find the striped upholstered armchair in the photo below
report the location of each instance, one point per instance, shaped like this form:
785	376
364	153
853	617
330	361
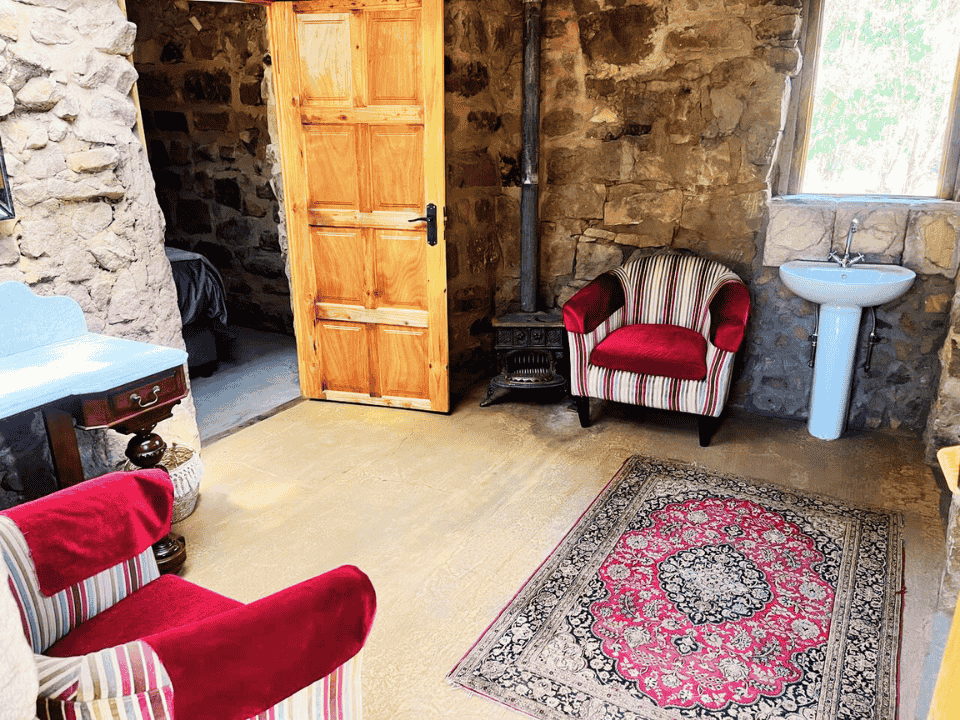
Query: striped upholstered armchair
660	331
114	640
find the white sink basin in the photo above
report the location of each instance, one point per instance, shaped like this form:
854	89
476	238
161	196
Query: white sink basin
864	285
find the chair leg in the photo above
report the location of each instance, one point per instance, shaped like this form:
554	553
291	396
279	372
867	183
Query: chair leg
583	410
707	426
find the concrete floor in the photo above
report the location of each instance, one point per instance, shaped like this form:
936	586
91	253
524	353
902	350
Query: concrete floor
259	375
450	514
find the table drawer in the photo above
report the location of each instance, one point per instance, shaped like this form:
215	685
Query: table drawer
129	401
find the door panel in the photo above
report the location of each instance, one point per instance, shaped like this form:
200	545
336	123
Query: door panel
402	374
340	345
401	269
360	114
339	260
397	154
394	61
327	41
332	167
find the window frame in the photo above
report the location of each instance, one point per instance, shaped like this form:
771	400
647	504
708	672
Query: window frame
789	167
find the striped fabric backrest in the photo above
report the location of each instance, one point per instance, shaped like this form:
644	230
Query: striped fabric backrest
47	619
672	289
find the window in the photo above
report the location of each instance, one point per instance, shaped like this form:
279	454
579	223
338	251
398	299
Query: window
874	109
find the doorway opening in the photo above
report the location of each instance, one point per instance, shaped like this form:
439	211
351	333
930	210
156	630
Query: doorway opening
202	68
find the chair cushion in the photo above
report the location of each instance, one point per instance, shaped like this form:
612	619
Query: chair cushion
667	350
167	602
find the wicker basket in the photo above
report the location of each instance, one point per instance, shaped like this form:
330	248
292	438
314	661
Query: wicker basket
186	470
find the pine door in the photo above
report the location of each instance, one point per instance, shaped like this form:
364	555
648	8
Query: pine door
359	88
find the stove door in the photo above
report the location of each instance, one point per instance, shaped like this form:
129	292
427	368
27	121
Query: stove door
360	106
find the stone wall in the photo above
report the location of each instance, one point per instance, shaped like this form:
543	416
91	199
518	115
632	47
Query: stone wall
201	68
88	225
659	125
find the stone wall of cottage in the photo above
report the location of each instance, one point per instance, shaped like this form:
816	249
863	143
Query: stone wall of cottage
660	125
87	221
201	70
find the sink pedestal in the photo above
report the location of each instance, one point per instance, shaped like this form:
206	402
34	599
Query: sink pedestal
833	370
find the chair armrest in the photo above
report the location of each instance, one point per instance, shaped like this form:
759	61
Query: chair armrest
729	311
82	530
128	677
593	304
268	650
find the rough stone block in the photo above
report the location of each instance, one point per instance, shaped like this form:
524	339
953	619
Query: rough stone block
89	161
716	39
882	229
727	108
780	28
573	201
250	93
9	248
218	121
96	69
90	219
193	216
226	191
633	205
47	33
263	263
7	101
207	86
931	239
594	259
111	252
558	247
112	107
798	231
38	94
620	36
154	85
169	121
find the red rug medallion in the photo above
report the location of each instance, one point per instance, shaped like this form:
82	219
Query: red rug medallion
683	594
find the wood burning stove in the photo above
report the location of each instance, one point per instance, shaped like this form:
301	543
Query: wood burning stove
530	345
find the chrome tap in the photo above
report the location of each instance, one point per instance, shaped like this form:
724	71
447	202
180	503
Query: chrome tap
846	260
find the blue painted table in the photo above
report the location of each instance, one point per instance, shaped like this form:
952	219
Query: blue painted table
50	362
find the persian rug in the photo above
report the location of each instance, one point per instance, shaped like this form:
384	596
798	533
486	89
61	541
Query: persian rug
686	595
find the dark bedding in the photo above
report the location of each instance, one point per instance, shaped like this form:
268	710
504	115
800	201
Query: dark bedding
203	307
200	291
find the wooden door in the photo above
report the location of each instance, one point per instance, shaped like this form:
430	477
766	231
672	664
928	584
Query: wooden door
359	87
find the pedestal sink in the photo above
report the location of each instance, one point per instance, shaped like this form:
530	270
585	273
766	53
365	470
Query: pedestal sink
842	293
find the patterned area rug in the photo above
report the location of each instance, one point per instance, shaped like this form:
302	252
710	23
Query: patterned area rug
682	594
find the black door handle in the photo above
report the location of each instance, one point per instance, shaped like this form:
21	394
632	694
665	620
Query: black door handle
431	221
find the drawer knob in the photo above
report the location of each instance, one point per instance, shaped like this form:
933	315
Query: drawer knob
139	400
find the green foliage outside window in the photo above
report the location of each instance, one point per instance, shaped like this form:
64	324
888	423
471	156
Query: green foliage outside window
882	97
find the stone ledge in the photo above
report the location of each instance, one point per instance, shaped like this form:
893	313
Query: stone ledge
920	233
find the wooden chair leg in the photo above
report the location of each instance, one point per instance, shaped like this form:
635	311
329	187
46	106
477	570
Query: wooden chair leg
583	410
707	426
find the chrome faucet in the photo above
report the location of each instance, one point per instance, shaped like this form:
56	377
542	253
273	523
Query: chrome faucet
846	260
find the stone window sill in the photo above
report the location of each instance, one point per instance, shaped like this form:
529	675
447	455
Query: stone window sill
920	233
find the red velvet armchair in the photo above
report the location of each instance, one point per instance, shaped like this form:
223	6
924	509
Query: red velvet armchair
660	331
114	639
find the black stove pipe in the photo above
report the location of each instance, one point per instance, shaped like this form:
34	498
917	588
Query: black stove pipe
530	157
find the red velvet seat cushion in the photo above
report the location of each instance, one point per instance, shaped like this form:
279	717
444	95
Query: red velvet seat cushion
667	350
167	602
